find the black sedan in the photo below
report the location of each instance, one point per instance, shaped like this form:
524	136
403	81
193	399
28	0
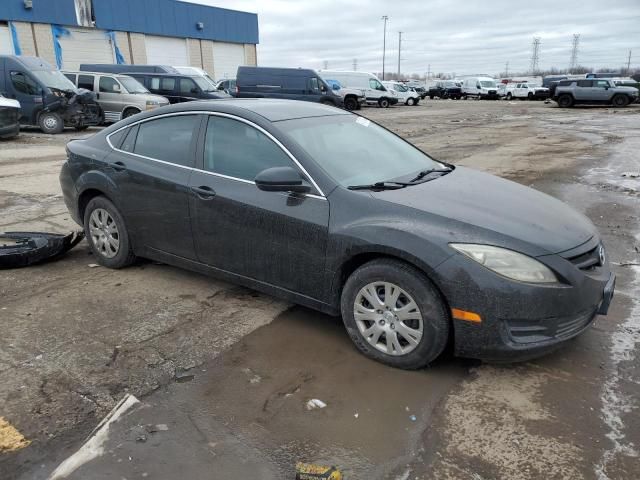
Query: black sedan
330	210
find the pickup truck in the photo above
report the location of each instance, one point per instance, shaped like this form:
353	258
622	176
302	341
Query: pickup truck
525	90
593	91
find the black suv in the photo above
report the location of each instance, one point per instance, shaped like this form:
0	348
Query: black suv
446	89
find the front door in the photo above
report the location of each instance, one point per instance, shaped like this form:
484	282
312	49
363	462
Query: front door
110	98
25	89
152	168
273	237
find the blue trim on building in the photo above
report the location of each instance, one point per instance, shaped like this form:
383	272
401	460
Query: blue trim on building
57	31
15	40
111	35
171	18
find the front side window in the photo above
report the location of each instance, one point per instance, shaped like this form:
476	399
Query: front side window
602	83
375	84
24	84
86	81
355	151
109	85
238	150
167	139
313	84
187	86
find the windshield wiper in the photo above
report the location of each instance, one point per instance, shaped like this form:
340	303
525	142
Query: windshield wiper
379	186
424	173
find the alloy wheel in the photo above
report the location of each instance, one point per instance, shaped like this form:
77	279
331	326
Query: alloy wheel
388	318
104	233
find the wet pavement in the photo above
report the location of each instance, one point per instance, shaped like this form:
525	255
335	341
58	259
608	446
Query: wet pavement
232	390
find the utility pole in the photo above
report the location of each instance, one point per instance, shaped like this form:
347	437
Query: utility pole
325	64
355	64
574	52
384	42
629	63
535	55
428	71
506	69
399	50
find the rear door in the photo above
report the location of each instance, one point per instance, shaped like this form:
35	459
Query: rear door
584	90
152	168
272	237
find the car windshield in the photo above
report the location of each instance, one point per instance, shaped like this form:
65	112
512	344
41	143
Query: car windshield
204	84
488	83
355	151
132	85
450	84
401	88
53	79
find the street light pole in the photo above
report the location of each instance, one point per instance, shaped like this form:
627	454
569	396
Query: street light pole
399	53
384	43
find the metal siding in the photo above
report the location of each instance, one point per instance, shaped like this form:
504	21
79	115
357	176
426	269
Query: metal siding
44	11
176	19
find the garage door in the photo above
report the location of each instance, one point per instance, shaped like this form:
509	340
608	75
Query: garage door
227	57
166	51
85	46
6	45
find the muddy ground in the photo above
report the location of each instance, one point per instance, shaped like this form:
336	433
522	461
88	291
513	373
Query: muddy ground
229	371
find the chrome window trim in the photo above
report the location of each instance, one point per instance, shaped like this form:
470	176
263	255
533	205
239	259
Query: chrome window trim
219	114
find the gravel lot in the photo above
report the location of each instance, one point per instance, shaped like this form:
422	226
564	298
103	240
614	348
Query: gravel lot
76	339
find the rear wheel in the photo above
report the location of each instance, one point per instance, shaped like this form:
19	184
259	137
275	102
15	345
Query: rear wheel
431	97
565	101
530	96
350	103
620	101
394	314
50	122
383	102
107	234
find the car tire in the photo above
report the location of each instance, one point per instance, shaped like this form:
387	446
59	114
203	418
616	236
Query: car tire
51	123
409	286
530	96
410	102
619	101
129	112
509	96
350	103
383	102
431	97
565	101
107	234
416	102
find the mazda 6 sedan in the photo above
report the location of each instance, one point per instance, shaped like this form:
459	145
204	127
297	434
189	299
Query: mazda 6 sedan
330	210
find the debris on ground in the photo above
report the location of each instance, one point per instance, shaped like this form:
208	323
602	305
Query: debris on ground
21	249
307	471
315	403
93	265
631	174
182	376
413	418
10	438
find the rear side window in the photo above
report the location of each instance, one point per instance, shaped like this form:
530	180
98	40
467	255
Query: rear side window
116	138
239	150
168	84
109	85
154	83
585	83
167	139
24	84
85	81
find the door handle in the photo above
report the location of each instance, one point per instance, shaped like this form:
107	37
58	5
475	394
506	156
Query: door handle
119	166
204	192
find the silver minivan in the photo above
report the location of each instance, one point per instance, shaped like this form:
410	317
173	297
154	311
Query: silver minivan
120	96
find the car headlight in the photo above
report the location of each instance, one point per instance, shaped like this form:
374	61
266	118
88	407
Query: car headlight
152	103
507	263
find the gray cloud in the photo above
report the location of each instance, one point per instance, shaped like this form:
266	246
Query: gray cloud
461	36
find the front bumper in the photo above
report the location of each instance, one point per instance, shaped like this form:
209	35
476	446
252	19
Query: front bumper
9	131
522	321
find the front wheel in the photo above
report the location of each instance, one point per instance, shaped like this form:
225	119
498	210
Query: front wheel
350	103
620	101
410	101
50	122
383	102
107	234
394	314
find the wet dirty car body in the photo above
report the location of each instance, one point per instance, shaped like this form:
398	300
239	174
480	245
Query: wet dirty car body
329	210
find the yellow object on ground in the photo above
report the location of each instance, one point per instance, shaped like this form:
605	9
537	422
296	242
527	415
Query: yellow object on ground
11	439
307	471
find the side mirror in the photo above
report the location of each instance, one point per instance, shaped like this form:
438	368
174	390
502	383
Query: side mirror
116	88
195	90
478	87
281	179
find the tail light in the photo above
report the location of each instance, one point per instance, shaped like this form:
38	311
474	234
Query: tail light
237	89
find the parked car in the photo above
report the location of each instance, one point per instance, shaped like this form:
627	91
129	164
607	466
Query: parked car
480	87
445	89
353	99
120	96
593	91
228	85
9	118
416	254
525	90
47	98
375	92
178	88
419	88
403	93
285	83
196	71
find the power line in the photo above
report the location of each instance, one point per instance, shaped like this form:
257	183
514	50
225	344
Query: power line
535	54
574	51
384	42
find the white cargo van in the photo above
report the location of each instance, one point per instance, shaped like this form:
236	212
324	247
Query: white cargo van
480	87
375	92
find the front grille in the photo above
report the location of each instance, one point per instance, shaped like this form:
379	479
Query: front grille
533	331
587	260
492	92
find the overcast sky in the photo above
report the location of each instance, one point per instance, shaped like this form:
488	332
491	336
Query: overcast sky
461	36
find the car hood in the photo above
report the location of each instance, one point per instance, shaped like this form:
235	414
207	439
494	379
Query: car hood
498	205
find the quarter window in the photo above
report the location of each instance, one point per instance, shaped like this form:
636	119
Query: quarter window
86	81
108	85
239	150
167	139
